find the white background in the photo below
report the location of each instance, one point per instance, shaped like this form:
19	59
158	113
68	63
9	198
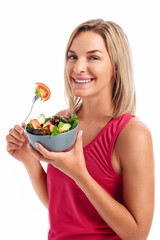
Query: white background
33	38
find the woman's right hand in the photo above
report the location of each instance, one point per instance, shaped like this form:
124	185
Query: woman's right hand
17	143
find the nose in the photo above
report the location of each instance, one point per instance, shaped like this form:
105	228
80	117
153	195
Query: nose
80	66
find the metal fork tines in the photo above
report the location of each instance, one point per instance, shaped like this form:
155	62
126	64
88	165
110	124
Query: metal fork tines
36	97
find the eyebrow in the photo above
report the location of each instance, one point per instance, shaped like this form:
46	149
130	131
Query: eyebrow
92	51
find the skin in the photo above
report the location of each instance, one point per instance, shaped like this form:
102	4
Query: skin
132	156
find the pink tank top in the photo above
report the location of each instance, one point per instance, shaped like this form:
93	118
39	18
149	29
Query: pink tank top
71	214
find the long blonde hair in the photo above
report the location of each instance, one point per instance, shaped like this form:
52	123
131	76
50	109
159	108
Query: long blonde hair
123	96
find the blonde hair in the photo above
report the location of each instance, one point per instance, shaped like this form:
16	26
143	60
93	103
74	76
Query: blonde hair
123	96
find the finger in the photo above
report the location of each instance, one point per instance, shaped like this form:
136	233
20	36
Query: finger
79	142
11	139
14	133
44	151
19	129
36	154
12	147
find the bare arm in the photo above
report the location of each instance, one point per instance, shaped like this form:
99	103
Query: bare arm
133	219
38	179
17	147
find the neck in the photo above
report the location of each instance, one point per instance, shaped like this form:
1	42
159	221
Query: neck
95	109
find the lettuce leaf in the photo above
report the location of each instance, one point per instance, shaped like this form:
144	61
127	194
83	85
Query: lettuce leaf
73	121
28	127
38	93
55	131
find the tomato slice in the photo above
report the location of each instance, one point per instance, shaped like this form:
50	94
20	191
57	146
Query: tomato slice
44	91
51	126
35	123
45	131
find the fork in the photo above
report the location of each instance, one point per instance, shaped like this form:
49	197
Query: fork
36	97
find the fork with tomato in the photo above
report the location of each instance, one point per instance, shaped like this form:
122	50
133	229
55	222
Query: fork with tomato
41	91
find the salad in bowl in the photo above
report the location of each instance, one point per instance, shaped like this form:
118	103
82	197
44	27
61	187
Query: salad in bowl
55	133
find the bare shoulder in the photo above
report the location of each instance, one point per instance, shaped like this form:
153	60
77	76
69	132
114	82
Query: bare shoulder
134	139
63	112
134	131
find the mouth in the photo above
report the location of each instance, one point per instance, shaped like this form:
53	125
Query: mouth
82	80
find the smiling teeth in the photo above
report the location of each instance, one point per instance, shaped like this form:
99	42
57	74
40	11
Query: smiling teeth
83	81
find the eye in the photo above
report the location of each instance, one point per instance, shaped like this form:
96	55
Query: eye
72	57
94	58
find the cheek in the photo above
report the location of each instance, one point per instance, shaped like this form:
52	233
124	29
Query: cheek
107	71
95	70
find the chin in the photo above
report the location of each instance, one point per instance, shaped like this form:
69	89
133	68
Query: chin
81	93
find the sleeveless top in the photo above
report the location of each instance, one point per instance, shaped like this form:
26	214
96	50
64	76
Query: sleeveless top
71	214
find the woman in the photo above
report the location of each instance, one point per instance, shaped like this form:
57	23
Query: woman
103	187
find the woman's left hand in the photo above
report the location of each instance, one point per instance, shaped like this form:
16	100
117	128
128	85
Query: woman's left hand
72	163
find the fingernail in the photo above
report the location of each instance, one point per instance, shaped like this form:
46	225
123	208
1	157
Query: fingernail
21	131
20	144
36	144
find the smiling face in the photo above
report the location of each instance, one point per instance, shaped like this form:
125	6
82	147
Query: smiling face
89	69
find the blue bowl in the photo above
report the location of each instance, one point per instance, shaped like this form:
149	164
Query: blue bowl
58	143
